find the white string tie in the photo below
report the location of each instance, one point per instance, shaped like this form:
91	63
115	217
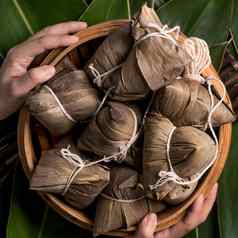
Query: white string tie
67	115
171	176
80	164
163	32
98	77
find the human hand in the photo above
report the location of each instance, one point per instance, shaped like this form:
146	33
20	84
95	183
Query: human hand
197	214
16	81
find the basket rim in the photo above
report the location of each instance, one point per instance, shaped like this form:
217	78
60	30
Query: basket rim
28	157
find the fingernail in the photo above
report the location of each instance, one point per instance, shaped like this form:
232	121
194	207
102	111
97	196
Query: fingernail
151	219
83	24
215	188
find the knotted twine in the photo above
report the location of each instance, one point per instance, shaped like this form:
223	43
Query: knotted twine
121	200
62	108
162	32
79	163
201	59
167	176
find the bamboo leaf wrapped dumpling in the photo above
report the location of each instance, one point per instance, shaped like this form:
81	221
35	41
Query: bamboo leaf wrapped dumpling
160	54
111	53
112	131
152	62
190	151
122	204
179	194
188	103
57	175
63	101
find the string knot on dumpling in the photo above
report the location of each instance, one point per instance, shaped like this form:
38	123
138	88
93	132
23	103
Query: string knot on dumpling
199	51
161	31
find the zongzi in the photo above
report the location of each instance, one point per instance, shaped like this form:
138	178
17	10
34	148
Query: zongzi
59	175
188	103
190	151
122	204
63	101
111	132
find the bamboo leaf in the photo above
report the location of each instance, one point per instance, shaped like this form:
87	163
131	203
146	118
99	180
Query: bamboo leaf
227	201
21	18
208	229
193	234
13	28
108	11
30	217
208	19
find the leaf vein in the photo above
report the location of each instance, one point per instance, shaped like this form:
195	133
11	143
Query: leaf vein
23	16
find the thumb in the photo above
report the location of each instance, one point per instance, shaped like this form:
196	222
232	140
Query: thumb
147	227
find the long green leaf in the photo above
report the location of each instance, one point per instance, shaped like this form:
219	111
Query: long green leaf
193	234
13	27
109	10
30	217
227	202
21	18
208	19
209	229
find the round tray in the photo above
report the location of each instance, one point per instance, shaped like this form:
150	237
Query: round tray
28	152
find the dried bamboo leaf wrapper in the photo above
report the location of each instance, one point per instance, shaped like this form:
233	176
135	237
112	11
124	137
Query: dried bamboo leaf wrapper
77	93
160	58
53	172
188	103
190	149
112	52
200	53
110	131
156	206
128	82
179	194
156	133
122	203
72	97
134	157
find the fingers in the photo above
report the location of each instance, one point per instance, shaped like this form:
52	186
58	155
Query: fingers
34	77
197	214
147	227
210	200
39	45
201	209
163	234
61	29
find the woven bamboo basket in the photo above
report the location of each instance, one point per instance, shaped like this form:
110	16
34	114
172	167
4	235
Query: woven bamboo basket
29	152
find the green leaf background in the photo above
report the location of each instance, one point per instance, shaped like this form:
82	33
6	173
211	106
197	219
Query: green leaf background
212	20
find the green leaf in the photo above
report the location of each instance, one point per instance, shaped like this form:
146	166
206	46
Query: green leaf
192	234
30	217
109	10
21	18
4	205
208	19
228	190
209	229
13	27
